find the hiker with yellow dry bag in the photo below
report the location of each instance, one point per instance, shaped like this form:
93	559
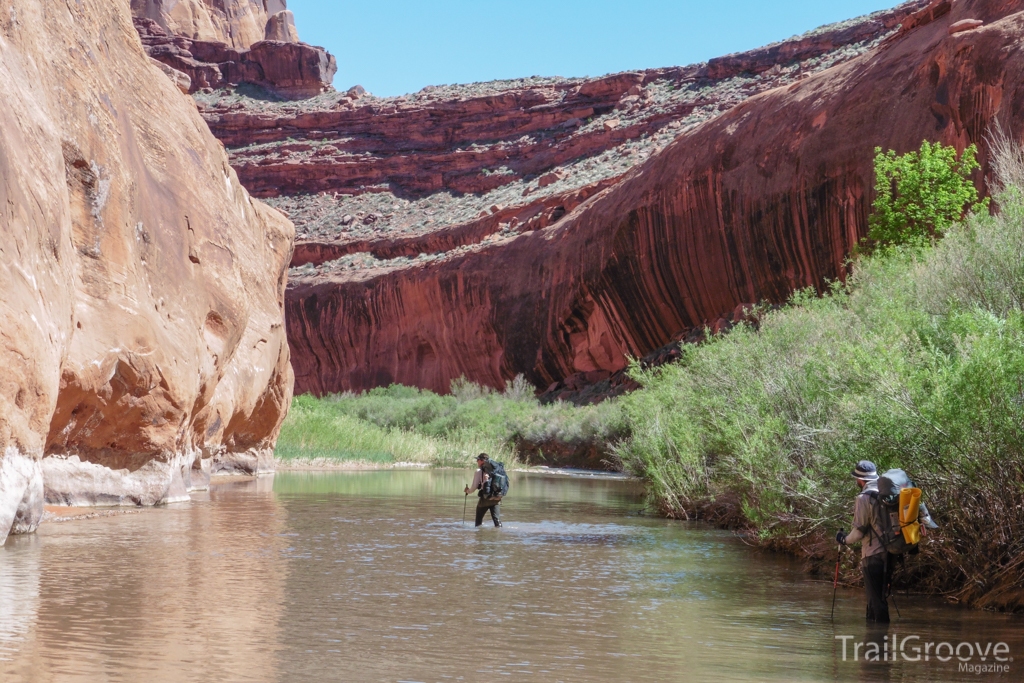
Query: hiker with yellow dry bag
889	520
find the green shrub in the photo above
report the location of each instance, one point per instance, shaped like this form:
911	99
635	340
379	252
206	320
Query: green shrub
920	195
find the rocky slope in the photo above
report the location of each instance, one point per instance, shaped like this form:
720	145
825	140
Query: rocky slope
141	288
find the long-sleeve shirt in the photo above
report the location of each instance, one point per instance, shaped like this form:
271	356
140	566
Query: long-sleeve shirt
477	485
863	519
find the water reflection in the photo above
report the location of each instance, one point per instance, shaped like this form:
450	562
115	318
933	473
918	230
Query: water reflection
188	592
371	576
19	600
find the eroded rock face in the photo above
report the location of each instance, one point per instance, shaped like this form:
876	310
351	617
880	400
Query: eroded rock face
284	66
236	23
141	288
382	188
761	199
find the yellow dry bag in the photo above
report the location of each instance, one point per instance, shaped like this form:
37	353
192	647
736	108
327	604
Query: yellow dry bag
910	503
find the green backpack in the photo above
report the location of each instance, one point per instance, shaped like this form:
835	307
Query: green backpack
497	485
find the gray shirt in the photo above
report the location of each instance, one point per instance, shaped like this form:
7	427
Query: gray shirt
864	518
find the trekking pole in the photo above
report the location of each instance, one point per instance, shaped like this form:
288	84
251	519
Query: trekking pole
464	502
889	587
892	593
835	582
893	598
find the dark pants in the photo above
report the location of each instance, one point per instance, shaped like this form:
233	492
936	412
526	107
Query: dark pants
877	574
485	504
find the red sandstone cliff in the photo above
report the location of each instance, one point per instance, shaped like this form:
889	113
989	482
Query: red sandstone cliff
141	288
762	198
216	43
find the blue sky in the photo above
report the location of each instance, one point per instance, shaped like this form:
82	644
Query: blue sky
393	47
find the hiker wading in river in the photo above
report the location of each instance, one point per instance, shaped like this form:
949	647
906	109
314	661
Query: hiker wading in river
876	561
481	483
872	552
889	520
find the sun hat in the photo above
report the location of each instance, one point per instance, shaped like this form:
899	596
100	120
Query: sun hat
865	470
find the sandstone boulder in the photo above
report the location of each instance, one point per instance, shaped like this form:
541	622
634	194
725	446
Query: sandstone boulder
141	288
550	178
294	69
965	25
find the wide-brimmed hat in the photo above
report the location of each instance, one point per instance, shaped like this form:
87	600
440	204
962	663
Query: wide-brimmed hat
865	470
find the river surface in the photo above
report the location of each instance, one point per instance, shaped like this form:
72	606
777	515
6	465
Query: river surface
371	576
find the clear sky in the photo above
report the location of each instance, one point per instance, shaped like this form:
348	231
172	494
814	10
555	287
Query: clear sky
393	47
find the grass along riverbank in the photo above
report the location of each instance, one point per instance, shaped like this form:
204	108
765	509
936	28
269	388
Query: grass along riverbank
409	425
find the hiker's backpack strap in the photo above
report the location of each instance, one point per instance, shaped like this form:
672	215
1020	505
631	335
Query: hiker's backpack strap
869	528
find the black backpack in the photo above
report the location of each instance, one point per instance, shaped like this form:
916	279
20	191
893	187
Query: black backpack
497	485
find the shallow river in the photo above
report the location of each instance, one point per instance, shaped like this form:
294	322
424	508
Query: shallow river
370	576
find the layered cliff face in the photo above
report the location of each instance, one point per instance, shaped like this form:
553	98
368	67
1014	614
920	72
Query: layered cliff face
288	70
504	135
216	43
141	288
764	198
390	194
236	23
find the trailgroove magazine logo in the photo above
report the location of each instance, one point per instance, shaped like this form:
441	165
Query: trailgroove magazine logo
971	657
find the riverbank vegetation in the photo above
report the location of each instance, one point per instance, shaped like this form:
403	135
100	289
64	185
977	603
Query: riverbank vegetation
405	424
915	361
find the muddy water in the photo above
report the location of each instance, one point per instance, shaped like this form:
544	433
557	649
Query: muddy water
370	576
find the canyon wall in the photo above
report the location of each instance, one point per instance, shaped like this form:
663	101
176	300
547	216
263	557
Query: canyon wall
760	199
141	288
381	187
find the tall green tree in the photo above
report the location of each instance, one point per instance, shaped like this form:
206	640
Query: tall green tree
920	195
